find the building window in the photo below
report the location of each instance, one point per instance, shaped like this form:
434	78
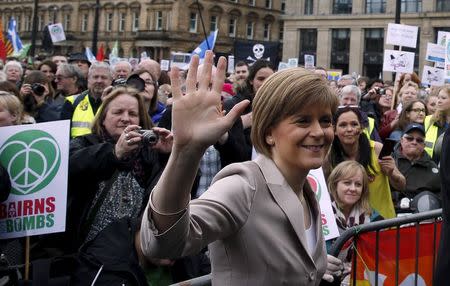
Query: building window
193	23
283	6
122	21
109	21
250	28
267	27
84	22
411	6
309	7
373	52
159	20
135	22
66	21
232	27
251	2
281	32
342	6
308	44
213	23
28	22
269	4
375	6
41	24
443	6
18	22
340	47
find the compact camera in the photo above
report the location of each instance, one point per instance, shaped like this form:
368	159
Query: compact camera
381	91
149	137
38	89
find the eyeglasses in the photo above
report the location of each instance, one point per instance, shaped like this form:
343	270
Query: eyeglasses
418	110
410	138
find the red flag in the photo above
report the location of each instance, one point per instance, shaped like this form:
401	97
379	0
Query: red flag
100	54
3	50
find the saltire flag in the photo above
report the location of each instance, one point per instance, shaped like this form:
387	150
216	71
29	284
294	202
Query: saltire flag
89	55
207	44
13	36
115	51
251	51
101	54
411	246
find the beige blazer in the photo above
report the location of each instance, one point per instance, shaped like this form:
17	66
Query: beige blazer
253	223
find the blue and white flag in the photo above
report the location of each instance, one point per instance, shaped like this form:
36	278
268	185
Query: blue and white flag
13	37
90	56
207	44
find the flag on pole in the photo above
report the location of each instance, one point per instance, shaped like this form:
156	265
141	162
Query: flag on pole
207	44
101	54
3	50
115	51
22	54
89	55
13	36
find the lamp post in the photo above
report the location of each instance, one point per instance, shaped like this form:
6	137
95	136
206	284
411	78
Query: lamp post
95	32
35	28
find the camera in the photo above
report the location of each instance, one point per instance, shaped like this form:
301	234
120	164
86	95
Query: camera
38	89
149	137
381	91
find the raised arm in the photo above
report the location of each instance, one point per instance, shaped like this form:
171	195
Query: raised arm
197	122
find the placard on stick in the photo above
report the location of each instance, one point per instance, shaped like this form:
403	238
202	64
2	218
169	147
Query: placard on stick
398	61
402	35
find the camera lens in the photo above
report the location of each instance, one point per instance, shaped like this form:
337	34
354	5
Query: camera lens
38	89
149	137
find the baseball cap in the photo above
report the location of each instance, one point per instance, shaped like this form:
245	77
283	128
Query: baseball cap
415	126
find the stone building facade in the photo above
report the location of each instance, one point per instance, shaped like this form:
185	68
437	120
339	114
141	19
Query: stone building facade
158	27
350	34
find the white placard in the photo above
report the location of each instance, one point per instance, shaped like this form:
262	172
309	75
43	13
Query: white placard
165	64
293	62
282	66
309	62
134	62
435	53
230	68
402	35
36	158
57	32
317	182
433	76
398	61
442	37
447	61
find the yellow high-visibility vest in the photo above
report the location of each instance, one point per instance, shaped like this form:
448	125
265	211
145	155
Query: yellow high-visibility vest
83	116
368	130
431	135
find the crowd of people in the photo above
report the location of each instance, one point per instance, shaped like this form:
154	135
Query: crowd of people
152	162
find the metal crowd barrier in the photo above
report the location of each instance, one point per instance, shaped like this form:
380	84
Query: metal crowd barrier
353	233
415	219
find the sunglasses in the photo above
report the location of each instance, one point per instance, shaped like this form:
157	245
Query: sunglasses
410	138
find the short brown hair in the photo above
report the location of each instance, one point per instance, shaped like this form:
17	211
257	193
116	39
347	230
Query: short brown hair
284	94
144	119
344	171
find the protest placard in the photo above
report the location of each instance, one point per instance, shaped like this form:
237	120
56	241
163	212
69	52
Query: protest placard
402	35
398	61
433	76
230	68
442	37
36	158
133	62
165	65
282	66
293	62
447	61
435	53
334	74
316	180
309	62
57	32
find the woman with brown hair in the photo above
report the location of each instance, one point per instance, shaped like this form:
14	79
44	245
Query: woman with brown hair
414	112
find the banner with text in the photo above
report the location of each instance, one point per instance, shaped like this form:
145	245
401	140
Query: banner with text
36	158
316	180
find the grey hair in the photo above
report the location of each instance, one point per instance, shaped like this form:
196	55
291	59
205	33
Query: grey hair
101	65
71	70
352	89
347	77
127	62
13	64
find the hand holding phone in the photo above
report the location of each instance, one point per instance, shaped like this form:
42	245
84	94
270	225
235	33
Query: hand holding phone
388	147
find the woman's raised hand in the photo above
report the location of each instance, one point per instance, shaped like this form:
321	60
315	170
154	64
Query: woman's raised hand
197	118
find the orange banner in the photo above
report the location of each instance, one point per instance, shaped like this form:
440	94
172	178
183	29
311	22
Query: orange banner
411	245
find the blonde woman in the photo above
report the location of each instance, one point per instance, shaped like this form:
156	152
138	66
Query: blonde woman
11	109
436	124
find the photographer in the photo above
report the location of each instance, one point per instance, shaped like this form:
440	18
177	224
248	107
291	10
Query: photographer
37	95
110	170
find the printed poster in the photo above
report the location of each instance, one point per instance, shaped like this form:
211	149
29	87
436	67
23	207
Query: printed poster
433	76
442	37
447	61
309	62
317	182
293	62
36	158
57	32
282	66
165	64
435	53
398	61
